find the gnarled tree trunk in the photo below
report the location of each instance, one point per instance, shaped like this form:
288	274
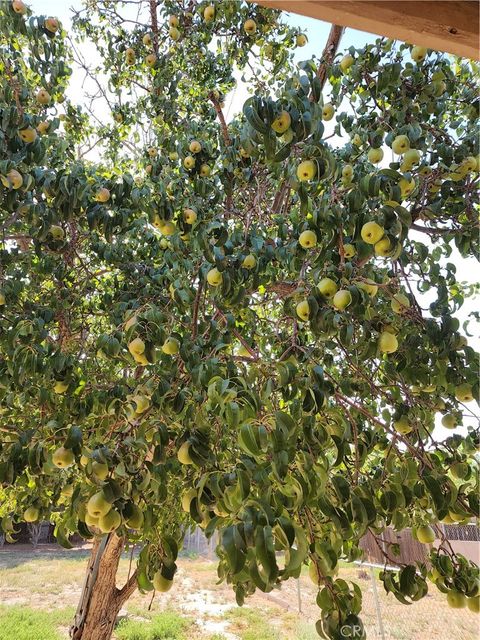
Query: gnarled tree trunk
101	600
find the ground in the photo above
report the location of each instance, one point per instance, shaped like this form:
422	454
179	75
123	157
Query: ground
40	589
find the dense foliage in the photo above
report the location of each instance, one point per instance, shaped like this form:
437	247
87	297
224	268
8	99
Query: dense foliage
254	321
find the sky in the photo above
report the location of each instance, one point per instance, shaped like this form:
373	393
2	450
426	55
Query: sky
317	32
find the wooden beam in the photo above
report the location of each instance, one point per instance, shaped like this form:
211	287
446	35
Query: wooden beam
445	26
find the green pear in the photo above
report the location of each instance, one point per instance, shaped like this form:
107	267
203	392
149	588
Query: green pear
100	469
135	521
31	514
342	299
456	600
449	421
375	155
303	310
161	583
425	534
473	604
63	458
463	392
110	521
98	505
400	303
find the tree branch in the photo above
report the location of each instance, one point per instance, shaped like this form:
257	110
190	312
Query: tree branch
128	588
329	52
195	309
221	118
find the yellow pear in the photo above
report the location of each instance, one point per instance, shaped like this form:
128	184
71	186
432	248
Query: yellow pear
250	27
400	145
19	7
383	247
183	454
388	342
43	97
171	346
349	250
301	40
43	127
15	178
307	239
418	53
372	232
249	261
190	216
306	170
195	146
28	135
136	346
102	195
375	155
327	287
60	386
463	393
187	498
214	277
52	25
425	534
100	469
135	521
282	122
189	162
151	60
57	232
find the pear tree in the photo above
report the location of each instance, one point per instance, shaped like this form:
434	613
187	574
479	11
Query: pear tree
248	324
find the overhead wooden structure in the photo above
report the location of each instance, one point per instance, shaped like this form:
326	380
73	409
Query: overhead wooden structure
446	26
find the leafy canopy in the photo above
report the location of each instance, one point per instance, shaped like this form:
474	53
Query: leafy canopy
249	326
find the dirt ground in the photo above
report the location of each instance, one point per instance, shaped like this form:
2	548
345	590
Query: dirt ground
49	577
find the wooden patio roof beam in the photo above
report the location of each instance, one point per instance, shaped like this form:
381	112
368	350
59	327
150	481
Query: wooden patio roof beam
451	26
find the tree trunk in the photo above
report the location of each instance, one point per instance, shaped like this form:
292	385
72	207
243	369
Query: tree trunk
329	52
101	601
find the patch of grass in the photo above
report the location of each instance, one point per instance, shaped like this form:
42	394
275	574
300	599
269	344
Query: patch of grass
251	624
168	625
21	623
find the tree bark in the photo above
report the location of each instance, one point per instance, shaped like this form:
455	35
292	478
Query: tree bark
101	600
